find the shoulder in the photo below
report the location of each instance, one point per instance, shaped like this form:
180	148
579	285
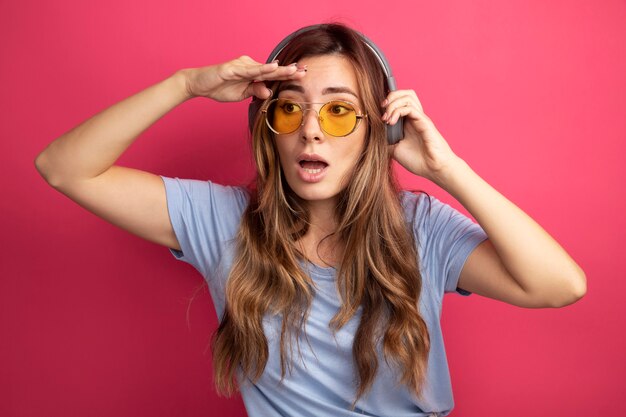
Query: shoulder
207	192
425	209
205	207
445	239
204	189
431	218
205	217
417	206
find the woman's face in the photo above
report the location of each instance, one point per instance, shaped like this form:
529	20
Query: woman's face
315	164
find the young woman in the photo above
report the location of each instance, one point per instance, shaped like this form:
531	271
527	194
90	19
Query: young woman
327	278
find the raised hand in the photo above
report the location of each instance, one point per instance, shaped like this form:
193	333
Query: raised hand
238	79
423	150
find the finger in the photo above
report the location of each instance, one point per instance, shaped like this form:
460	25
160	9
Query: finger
419	103
402	101
397	113
255	71
269	72
399	102
394	95
269	67
258	89
245	60
288	72
398	93
408	111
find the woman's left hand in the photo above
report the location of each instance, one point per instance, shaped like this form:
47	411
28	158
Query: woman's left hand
422	151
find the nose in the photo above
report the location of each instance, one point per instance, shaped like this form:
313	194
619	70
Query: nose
311	129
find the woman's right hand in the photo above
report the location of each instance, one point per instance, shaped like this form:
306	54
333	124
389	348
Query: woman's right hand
238	79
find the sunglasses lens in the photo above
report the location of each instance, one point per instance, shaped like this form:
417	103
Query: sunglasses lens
284	116
338	118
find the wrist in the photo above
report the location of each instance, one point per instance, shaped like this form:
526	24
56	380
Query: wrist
182	78
452	174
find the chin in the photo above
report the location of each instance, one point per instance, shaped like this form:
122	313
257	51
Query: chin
314	192
315	195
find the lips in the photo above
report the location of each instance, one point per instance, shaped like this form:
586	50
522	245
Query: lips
312	167
311	161
311	157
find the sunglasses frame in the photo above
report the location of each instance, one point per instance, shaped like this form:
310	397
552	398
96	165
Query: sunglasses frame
359	116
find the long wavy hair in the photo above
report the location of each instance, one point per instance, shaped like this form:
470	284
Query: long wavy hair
379	267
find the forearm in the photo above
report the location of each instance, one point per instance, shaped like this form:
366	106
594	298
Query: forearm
530	255
92	147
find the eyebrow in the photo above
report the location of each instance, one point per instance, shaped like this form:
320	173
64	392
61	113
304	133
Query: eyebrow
327	90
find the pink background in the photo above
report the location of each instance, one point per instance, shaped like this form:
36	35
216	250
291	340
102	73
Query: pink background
97	322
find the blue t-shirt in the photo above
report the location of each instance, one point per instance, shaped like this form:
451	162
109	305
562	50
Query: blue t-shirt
206	216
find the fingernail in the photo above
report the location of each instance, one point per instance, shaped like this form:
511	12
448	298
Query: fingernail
294	64
302	68
384	103
274	62
271	92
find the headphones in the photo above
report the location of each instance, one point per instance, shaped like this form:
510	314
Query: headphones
394	132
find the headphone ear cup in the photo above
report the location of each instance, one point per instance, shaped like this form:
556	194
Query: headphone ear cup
395	133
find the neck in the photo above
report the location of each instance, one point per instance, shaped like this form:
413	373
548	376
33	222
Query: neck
322	217
322	223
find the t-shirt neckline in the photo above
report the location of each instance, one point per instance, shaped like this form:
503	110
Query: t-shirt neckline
325	272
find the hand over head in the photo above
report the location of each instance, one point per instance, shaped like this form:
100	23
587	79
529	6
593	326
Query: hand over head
423	150
238	79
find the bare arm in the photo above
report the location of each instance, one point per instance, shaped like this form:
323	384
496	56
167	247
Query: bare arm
92	147
519	263
79	164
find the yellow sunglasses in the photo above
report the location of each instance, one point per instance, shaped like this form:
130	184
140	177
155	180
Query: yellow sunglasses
337	117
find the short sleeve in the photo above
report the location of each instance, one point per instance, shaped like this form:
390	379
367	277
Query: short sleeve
445	240
205	216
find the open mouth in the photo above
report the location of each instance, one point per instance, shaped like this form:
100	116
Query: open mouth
313	167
